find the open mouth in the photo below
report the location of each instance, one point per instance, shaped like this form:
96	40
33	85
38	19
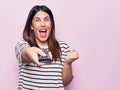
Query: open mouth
43	33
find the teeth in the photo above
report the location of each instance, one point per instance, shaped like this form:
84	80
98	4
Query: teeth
42	30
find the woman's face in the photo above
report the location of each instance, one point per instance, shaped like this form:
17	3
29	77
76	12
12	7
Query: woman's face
41	24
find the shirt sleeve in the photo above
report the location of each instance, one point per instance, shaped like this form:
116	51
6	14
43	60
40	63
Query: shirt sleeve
19	46
65	48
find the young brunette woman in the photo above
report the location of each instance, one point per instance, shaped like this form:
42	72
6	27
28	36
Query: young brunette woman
38	38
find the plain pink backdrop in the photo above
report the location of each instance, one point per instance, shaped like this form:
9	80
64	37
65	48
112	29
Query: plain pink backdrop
90	26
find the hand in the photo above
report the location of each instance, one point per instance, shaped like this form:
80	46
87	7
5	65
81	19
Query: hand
50	55
71	56
31	54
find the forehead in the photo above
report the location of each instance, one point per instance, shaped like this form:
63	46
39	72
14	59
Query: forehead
41	14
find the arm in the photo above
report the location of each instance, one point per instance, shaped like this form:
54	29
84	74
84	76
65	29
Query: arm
67	74
30	54
26	54
67	69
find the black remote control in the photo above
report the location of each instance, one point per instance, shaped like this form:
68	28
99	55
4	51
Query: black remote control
44	59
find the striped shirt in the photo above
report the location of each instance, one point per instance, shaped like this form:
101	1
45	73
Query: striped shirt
47	77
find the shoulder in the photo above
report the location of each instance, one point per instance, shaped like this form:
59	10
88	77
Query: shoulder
63	45
22	43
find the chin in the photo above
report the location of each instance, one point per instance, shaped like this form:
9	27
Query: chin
43	40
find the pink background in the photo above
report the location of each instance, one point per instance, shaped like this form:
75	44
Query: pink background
90	26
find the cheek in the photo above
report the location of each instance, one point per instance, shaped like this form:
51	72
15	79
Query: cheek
34	26
50	29
49	26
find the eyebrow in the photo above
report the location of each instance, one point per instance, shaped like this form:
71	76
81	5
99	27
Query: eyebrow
36	17
47	17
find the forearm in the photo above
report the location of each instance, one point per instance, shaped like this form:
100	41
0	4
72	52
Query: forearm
25	56
67	74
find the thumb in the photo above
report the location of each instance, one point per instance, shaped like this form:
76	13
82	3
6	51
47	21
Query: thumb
36	61
50	55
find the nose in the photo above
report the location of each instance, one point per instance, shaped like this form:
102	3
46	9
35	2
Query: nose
42	23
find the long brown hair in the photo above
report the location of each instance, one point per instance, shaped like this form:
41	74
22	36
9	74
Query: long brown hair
29	36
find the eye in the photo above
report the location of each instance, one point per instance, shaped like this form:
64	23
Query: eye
37	20
47	19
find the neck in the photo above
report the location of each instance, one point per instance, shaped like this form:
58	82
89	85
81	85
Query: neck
43	44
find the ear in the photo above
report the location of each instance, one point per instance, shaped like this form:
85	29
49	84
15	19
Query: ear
31	27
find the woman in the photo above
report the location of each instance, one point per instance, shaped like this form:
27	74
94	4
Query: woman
39	36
